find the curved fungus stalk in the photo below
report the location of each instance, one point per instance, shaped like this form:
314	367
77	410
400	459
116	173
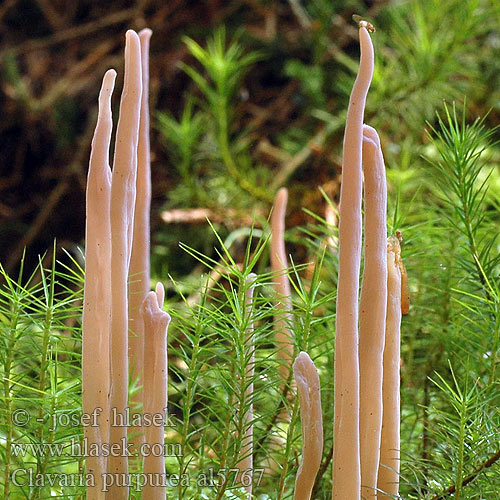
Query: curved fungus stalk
388	473
123	191
308	387
372	311
283	321
97	287
346	451
139	262
156	323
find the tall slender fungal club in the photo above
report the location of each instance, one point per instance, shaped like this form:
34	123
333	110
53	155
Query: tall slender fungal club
372	311
156	322
308	387
346	458
388	473
245	465
139	262
96	301
367	406
279	263
123	191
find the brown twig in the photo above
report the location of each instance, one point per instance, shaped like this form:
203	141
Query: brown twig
40	222
289	167
451	490
200	216
53	199
51	14
73	75
74	32
322	471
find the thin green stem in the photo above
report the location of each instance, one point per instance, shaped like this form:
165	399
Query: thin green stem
288	449
230	162
42	461
186	410
461	449
9	358
225	450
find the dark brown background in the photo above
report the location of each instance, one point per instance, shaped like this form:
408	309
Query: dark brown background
53	55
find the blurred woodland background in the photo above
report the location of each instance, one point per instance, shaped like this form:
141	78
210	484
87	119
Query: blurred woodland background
285	109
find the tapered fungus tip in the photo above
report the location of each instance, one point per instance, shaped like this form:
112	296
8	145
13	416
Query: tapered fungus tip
363	23
110	75
301	361
371	133
394	248
160	294
250	279
151	310
130	34
145	33
132	45
282	194
108	83
280	202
